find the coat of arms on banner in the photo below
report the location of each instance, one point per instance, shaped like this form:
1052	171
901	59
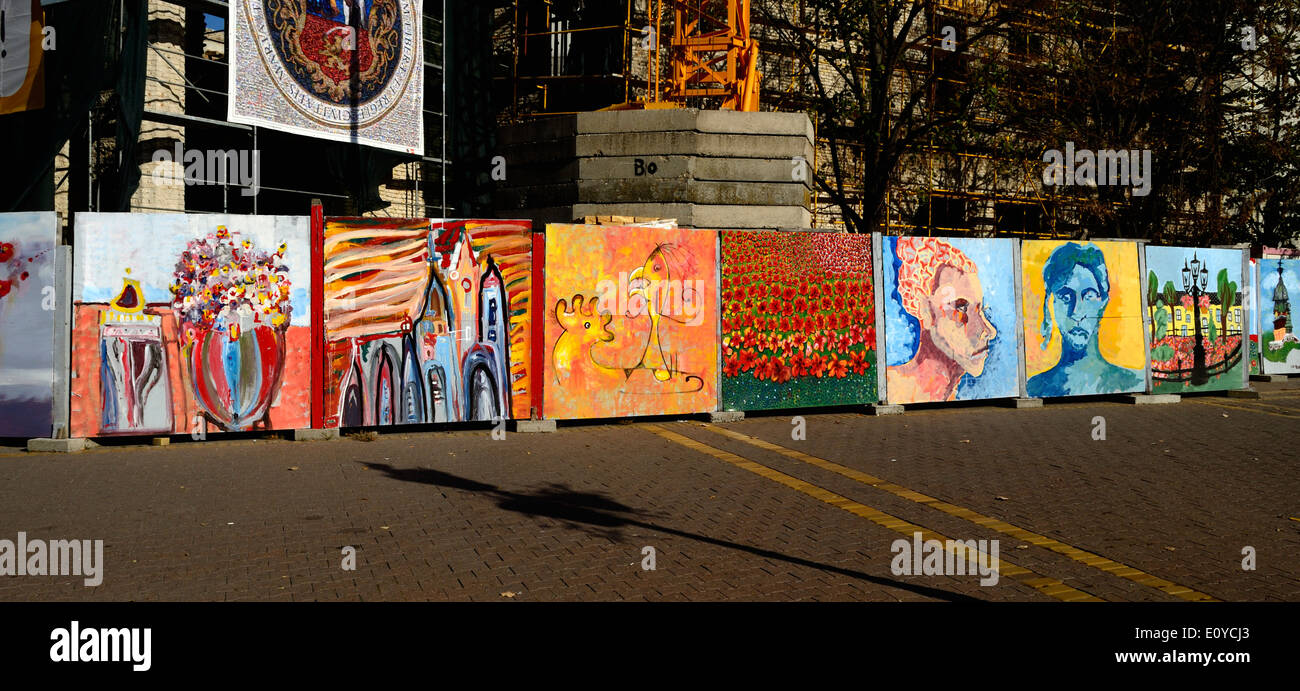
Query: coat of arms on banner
348	70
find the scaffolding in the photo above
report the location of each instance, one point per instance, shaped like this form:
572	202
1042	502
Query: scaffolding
569	57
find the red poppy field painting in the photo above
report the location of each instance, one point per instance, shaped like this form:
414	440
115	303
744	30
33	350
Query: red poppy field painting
798	320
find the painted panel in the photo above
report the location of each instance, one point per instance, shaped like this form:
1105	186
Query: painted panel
28	319
798	320
346	70
1252	312
950	319
1082	315
1279	290
426	321
190	322
22	57
1198	318
632	321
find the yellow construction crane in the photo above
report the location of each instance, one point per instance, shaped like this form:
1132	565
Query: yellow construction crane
712	55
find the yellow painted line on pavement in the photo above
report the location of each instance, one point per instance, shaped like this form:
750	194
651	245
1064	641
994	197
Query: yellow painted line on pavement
1249	409
1079	555
1048	586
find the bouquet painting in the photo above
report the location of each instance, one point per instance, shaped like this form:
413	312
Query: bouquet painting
231	302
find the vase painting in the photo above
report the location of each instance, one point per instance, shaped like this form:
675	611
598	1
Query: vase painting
236	379
232	302
190	324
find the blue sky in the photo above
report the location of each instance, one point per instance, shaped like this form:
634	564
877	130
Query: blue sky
1167	262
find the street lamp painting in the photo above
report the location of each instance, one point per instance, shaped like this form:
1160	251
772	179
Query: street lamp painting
1200	286
1195	279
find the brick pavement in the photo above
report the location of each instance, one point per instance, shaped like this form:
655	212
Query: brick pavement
1175	491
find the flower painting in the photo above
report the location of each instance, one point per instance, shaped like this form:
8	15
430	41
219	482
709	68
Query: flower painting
798	320
190	324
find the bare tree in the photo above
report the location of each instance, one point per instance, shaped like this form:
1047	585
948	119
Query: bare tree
884	77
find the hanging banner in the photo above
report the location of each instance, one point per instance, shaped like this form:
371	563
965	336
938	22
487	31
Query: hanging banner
346	70
22	58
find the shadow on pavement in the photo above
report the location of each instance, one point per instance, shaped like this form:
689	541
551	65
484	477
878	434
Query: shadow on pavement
582	510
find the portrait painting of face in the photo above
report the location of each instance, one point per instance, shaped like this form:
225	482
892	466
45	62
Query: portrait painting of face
1083	319
949	313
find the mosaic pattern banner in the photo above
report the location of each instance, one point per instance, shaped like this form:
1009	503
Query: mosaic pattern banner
631	321
1198	319
1279	290
1083	321
426	321
346	70
28	319
186	323
950	320
798	316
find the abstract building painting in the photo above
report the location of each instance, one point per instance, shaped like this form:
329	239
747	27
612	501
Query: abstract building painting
189	324
1279	290
631	321
1198	318
950	320
798	320
27	322
426	321
1082	315
346	70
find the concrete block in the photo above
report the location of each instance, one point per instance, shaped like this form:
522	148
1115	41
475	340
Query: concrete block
534	426
1268	377
727	416
692	144
617	121
767	122
316	434
74	445
694	120
1025	402
1154	398
1243	393
749	170
728	216
650	190
885	409
626	167
160	441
